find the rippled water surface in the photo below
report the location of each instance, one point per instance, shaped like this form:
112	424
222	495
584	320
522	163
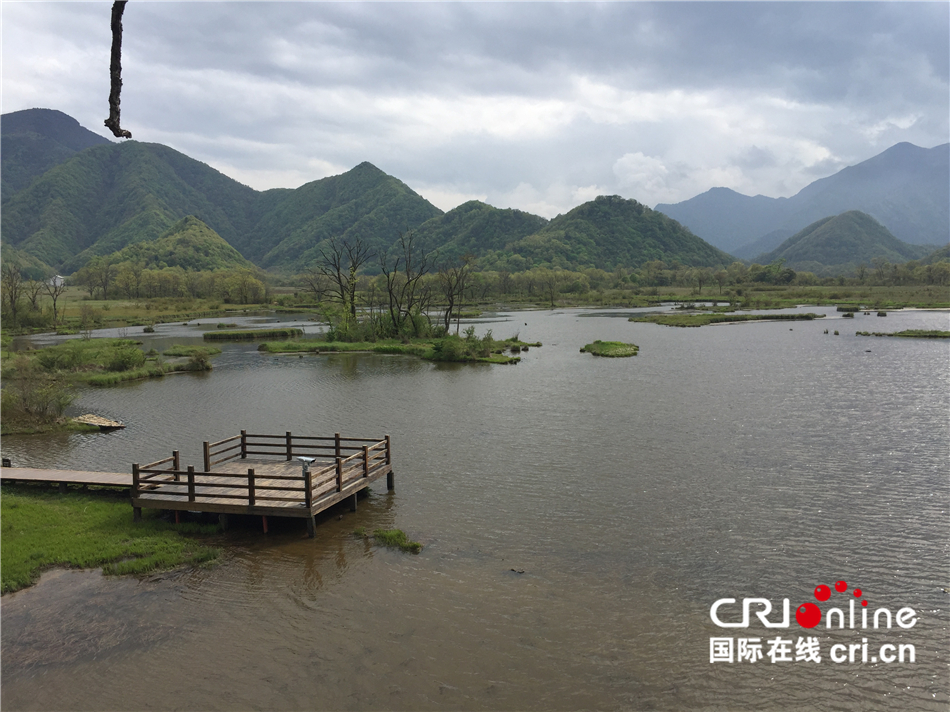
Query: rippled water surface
750	460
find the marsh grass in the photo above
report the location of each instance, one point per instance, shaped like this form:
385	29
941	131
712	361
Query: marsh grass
611	349
687	320
252	334
42	529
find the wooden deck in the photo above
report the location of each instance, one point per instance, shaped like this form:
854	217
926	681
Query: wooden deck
262	475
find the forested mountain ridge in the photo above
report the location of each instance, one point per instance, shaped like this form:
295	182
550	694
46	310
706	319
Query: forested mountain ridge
35	140
108	197
848	239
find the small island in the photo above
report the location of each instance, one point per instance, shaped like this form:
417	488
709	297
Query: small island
611	349
708	318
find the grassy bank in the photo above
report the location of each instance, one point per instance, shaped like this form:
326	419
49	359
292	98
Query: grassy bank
611	349
707	318
42	529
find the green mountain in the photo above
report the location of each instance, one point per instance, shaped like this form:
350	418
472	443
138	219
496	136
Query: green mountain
189	244
107	197
476	228
611	231
129	198
848	239
35	140
363	203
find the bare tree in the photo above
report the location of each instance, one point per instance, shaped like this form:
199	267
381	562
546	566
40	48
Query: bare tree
32	288
452	280
11	286
334	276
55	288
408	296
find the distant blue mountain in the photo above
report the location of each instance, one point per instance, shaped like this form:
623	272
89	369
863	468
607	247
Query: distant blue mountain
906	188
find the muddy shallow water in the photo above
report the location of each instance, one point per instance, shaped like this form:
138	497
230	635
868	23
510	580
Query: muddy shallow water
751	460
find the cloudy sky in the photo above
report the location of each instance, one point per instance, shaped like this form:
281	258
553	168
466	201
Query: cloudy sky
537	106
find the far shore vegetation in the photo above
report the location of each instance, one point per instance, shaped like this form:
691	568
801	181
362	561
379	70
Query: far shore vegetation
43	529
704	319
611	349
909	334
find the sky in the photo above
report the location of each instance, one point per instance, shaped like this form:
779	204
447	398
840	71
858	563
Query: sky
529	105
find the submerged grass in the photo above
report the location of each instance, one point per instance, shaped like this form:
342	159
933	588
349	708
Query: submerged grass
42	529
396	539
706	319
611	349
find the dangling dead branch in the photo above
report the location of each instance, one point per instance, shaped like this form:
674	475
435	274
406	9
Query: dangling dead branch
115	70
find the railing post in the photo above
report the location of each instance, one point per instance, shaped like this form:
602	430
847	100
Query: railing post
390	477
176	460
206	448
243	444
191	483
136	511
389	452
251	494
336	439
308	489
366	461
290	446
339	474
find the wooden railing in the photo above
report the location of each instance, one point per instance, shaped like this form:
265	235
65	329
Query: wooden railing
311	485
153	470
286	447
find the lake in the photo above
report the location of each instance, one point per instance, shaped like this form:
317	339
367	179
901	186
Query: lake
580	517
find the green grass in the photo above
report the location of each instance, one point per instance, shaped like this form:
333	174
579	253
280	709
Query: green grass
183	350
396	539
611	349
252	335
42	529
909	333
706	319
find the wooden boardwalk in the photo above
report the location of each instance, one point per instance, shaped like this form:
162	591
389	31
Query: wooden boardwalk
263	475
66	477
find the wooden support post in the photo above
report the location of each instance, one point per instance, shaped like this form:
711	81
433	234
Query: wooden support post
264	519
290	446
352	499
176	465
389	451
339	474
311	527
135	481
177	517
390	480
191	483
223	522
337	448
206	448
308	489
136	514
366	461
62	488
251	494
243	444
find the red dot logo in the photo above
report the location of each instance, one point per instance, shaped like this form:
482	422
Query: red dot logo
808	615
841	586
822	593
